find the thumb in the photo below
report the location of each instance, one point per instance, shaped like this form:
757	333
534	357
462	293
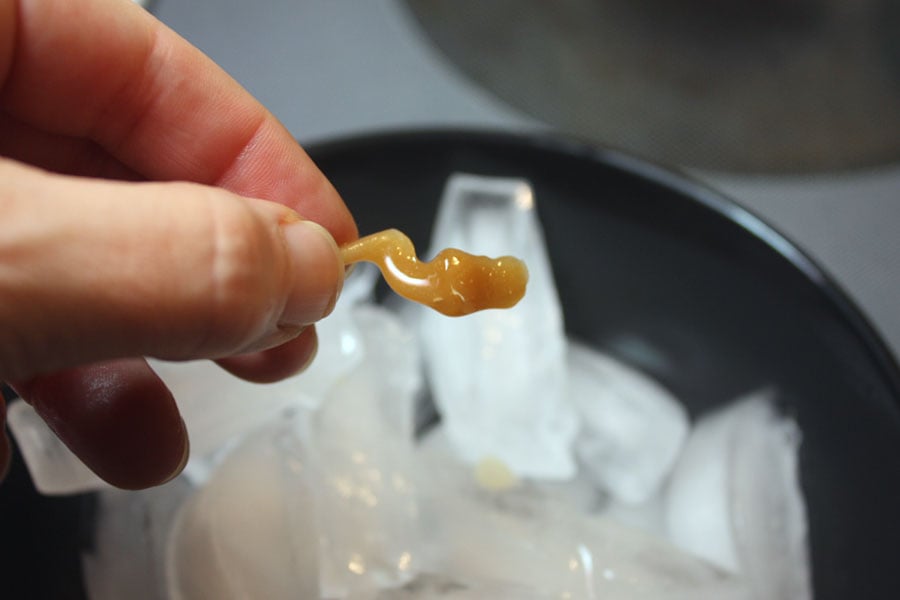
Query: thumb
93	270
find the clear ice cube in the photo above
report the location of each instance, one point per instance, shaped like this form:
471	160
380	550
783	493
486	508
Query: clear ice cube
126	556
632	429
735	498
360	442
249	531
318	502
340	483
499	376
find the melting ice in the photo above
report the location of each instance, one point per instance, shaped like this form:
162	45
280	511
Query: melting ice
555	471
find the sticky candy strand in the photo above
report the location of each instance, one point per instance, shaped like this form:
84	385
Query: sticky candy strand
454	283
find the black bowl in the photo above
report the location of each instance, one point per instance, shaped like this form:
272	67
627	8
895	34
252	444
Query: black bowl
644	260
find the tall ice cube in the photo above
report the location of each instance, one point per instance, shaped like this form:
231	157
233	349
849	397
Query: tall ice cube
499	376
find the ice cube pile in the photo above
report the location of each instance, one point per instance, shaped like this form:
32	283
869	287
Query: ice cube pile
555	471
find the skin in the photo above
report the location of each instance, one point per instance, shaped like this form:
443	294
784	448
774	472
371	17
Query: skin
151	207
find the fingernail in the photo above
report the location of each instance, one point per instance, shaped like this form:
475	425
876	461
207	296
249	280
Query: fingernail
317	270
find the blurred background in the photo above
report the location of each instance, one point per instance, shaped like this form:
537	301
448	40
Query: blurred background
791	107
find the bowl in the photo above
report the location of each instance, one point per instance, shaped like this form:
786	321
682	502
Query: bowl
652	268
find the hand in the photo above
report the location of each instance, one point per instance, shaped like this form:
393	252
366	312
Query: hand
164	213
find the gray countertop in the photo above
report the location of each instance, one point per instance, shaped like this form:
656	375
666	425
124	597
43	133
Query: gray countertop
331	68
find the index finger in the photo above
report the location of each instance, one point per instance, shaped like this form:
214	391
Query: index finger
108	71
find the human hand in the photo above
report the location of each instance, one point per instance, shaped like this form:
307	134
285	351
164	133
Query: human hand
142	231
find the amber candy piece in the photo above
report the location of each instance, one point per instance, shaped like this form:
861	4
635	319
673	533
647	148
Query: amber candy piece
454	283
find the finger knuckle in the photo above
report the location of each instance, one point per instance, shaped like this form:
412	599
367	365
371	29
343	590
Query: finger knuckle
242	273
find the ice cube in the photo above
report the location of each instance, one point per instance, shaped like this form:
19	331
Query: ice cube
361	444
769	516
429	587
219	408
735	498
544	538
349	471
250	531
498	377
632	429
648	516
257	525
127	547
54	469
